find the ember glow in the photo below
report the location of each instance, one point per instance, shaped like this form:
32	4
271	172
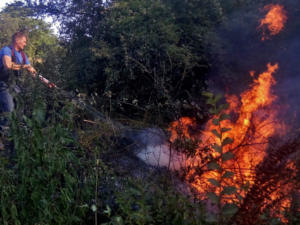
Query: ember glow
274	20
255	121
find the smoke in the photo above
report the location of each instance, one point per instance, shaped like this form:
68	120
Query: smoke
241	50
153	149
288	78
161	156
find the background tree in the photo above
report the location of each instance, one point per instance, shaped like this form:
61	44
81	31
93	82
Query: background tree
152	61
141	57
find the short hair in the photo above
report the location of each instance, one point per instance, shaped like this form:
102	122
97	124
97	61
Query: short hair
17	35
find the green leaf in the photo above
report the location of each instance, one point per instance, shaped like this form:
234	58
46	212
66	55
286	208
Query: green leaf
223	130
224	116
217	148
216	133
27	121
107	211
216	122
224	106
214	182
117	220
211	101
218	111
218	97
14	211
230	209
135	191
227	141
211	218
212	111
228	174
39	115
213	197
227	156
207	94
275	221
213	166
229	190
94	208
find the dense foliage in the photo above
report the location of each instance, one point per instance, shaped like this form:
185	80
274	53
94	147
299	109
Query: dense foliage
144	58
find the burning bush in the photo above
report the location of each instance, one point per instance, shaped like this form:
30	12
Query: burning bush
234	174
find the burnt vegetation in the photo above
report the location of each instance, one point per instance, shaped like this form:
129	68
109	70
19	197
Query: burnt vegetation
127	67
274	173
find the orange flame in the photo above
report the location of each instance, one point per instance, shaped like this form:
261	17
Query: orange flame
252	115
255	122
274	20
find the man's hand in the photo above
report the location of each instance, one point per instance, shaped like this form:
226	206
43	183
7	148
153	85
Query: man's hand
31	70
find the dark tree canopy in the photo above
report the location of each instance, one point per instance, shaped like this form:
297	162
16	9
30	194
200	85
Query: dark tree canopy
147	56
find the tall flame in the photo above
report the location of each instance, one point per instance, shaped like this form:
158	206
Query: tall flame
255	121
274	20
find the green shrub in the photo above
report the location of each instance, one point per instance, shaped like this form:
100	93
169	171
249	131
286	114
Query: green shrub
154	202
45	179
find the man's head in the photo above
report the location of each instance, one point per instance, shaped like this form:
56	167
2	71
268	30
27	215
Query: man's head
19	40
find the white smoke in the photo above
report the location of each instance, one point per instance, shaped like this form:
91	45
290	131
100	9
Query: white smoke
154	150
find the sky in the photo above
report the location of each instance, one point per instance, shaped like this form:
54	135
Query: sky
3	3
47	19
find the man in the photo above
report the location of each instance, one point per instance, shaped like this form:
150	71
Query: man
13	61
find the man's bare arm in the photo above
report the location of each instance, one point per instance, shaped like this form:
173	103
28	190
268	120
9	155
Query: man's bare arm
8	64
